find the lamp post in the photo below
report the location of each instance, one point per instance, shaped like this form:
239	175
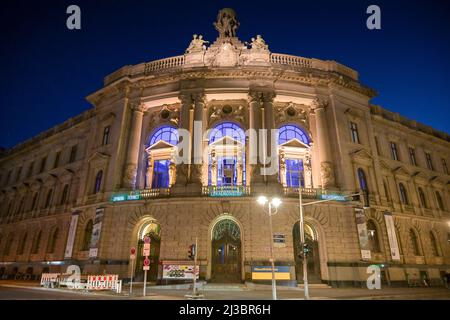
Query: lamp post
274	203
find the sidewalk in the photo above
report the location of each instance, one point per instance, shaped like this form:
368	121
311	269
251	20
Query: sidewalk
261	292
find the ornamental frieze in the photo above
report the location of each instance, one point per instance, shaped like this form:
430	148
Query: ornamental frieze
235	112
291	112
168	114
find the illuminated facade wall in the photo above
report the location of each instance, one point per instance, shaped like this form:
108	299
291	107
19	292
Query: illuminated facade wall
119	156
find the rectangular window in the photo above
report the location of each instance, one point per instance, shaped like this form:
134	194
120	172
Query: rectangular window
354	132
444	166
57	156
43	163
19	173
412	156
160	174
429	161
294	173
377	146
73	153
394	152
226	171
105	139
30	169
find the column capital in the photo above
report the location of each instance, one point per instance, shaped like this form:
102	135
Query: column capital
199	97
319	103
254	96
268	96
186	98
137	106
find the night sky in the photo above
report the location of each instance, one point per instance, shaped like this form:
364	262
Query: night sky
48	70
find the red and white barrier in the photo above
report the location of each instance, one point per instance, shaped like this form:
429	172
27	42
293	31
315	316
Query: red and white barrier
49	278
104	282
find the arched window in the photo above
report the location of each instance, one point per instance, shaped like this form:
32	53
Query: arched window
414	242
167	134
439	201
362	180
52	240
21	247
87	236
37	243
288	132
98	181
423	200
386	191
227	161
64	194
374	241
49	198
227	129
434	245
403	194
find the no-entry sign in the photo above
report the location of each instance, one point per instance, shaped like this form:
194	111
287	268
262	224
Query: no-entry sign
146	264
133	253
147	239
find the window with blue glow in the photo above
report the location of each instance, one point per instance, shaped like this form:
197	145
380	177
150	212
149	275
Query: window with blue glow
160	174
289	132
228	129
167	134
294	173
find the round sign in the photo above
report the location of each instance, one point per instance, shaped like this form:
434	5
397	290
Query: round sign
133	251
146	239
146	262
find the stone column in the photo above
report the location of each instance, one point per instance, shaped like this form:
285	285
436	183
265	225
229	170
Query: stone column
182	169
149	173
252	146
129	178
326	164
197	139
269	124
307	169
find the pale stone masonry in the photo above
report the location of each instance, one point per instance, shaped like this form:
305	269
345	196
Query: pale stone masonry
100	158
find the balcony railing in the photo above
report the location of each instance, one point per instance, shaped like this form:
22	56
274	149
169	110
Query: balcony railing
226	191
140	194
317	194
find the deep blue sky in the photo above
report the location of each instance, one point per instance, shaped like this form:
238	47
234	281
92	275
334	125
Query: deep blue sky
48	70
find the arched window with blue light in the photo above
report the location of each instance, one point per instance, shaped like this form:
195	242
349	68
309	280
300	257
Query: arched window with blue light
159	160
292	161
228	168
288	132
167	134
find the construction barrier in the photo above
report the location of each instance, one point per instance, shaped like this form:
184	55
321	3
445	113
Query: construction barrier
49	279
105	282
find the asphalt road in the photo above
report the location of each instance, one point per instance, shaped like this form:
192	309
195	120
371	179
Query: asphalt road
30	293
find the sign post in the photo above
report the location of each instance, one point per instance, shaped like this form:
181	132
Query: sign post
132	259
195	269
146	253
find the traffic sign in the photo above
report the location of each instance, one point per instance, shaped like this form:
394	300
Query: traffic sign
146	252
147	239
146	261
146	268
146	246
133	253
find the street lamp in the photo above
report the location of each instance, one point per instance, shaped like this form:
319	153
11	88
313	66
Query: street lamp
274	203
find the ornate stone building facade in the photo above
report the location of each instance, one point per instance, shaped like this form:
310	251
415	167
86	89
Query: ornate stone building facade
86	191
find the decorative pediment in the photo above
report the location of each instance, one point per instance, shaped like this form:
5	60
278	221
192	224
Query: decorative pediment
98	157
385	166
236	112
401	171
362	154
161	144
168	114
420	176
294	143
291	112
226	141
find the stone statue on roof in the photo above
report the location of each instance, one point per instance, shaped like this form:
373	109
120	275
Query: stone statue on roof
259	43
226	23
197	44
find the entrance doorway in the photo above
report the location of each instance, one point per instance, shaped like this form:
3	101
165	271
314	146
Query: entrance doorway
313	256
226	252
153	231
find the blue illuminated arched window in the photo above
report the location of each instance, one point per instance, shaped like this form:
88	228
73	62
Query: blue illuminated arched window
167	134
229	129
289	132
227	166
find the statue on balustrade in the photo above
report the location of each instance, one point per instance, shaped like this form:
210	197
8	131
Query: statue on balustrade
226	23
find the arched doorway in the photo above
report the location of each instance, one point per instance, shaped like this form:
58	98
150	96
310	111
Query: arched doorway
152	230
313	256
226	252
